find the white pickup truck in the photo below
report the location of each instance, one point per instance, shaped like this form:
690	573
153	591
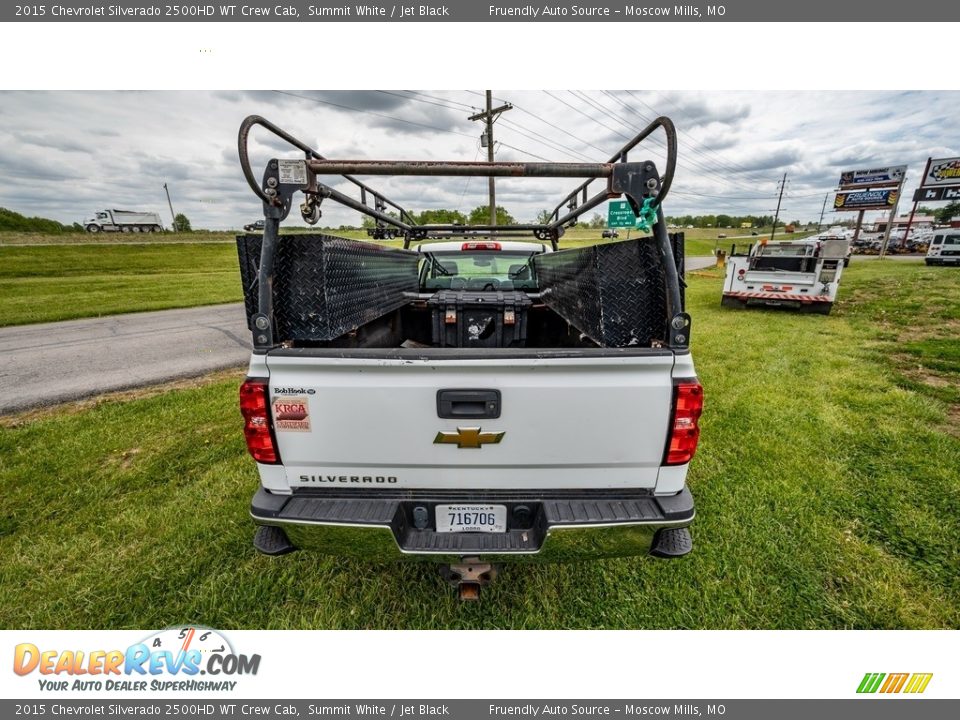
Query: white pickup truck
491	400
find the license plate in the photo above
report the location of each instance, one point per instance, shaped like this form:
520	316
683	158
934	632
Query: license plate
471	518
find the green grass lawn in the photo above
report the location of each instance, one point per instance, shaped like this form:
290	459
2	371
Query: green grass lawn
47	283
827	488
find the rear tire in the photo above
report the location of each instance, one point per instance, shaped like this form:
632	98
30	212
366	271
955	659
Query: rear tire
125	229
819	308
733	302
135	228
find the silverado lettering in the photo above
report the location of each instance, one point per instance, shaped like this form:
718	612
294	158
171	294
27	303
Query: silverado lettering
349	478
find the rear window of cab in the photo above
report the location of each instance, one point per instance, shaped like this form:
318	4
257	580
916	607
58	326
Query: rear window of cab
482	270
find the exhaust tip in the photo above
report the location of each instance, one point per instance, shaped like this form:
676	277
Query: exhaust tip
272	541
671	543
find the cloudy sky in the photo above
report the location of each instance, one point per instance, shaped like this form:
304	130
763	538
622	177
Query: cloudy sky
66	154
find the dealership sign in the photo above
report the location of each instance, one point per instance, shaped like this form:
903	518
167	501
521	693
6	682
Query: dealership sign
945	171
866	200
891	175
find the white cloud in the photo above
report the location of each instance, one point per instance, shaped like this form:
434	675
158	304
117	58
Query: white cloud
69	153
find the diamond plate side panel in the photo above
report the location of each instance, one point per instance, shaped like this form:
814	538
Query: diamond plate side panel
613	293
248	253
679	257
326	286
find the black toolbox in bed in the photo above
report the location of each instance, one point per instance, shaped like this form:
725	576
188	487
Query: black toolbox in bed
476	318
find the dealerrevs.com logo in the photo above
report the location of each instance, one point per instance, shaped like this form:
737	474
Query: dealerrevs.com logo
172	660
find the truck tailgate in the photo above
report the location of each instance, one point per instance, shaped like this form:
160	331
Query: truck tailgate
571	422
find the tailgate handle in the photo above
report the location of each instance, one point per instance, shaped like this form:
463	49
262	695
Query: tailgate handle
479	404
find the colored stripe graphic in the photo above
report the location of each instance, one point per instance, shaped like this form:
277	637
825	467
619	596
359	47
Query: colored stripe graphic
918	682
894	683
870	682
778	296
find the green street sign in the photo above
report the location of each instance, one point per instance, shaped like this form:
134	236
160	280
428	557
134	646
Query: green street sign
620	215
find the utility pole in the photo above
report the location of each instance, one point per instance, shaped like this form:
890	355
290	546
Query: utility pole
172	216
489	115
783	184
822	211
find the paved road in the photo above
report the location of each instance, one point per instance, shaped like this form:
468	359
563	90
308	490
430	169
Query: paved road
51	363
699	262
55	362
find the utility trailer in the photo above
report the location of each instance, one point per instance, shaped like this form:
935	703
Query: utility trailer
473	399
802	275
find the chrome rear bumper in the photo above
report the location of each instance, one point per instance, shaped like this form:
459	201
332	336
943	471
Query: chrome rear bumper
561	526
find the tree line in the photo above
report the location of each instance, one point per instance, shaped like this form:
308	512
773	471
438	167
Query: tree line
11	220
480	215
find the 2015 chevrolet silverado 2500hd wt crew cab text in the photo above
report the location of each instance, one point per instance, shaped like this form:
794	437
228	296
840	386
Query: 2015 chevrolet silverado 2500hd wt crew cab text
470	398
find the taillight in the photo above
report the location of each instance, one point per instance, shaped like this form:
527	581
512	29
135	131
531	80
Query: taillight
480	246
684	429
255	407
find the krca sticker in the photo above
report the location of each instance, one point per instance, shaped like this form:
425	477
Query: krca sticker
291	413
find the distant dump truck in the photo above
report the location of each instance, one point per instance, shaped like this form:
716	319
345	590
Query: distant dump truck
123	221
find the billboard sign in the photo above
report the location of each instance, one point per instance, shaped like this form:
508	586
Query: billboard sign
620	215
945	171
866	200
891	175
933	194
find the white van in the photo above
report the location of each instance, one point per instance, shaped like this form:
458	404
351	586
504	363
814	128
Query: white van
944	247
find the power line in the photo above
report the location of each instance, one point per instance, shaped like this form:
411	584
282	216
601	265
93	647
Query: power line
721	197
525	152
466	181
722	158
518	128
604	153
713	167
434	97
687	165
407	97
721	161
600	108
708	154
515	127
510	125
589	117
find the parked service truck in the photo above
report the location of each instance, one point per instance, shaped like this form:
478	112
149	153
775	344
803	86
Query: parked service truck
123	221
472	400
799	274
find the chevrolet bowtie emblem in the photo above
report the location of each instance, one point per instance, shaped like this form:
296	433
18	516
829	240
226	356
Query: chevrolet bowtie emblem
468	437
